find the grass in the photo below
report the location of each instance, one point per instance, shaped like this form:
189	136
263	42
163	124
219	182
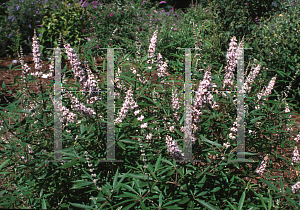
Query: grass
149	177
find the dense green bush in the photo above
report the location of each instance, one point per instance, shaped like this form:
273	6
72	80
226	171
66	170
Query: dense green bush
149	177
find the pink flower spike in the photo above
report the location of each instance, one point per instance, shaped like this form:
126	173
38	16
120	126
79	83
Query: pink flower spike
111	14
143	2
155	11
162	2
84	30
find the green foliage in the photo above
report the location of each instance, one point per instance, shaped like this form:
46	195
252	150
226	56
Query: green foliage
23	16
67	20
80	181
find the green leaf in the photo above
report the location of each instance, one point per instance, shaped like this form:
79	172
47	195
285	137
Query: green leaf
4	163
130	188
157	164
121	145
210	142
242	199
170	202
3	86
190	205
69	164
82	129
81	184
142	204
172	207
41	193
44	204
160	199
184	200
115	179
137	176
82	206
129	206
207	205
270	185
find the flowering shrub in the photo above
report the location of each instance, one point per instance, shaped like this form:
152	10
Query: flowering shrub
150	126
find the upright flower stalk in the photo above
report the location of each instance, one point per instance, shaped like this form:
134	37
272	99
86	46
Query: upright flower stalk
173	148
203	97
231	63
267	91
251	77
161	72
152	47
262	166
36	55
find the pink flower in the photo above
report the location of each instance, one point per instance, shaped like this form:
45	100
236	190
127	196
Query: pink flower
111	14
84	30
155	11
162	2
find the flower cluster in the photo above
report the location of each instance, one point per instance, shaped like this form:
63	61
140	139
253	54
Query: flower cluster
175	102
203	97
268	90
152	47
233	130
251	77
161	72
36	54
91	170
295	157
173	148
262	166
128	103
295	187
231	63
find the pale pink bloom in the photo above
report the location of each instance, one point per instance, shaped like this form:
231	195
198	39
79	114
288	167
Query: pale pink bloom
161	72
297	138
270	87
231	63
36	54
295	155
81	107
149	136
136	112
287	110
140	118
172	128
173	148
86	79
226	145
202	97
175	102
295	187
69	115
231	136
152	47
262	167
128	103
250	78
144	125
